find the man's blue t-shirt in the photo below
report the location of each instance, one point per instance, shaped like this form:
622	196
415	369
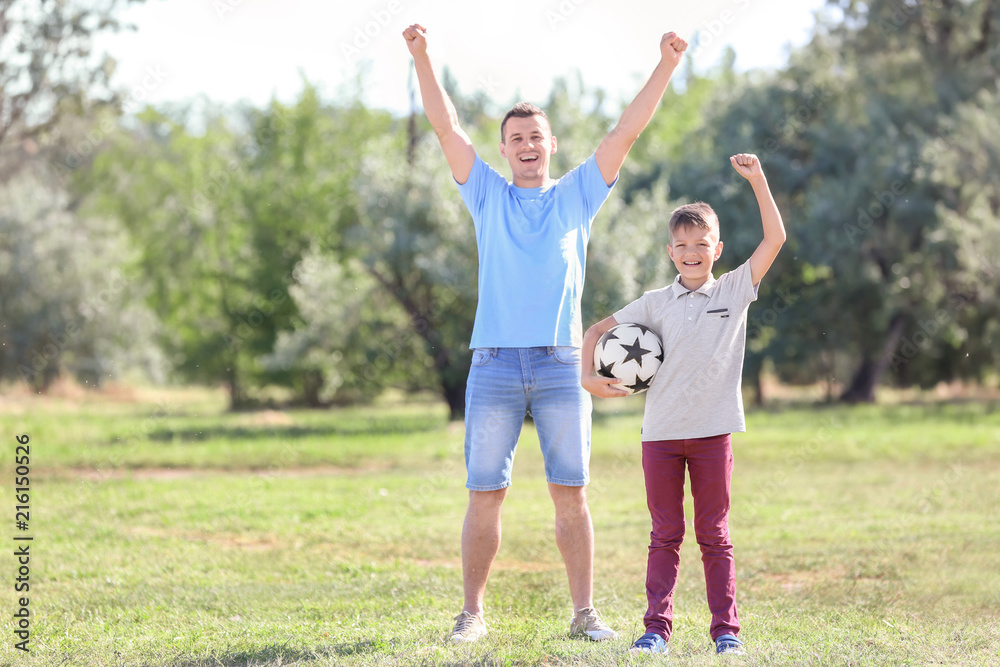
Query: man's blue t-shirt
532	255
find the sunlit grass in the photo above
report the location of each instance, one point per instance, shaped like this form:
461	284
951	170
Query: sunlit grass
864	536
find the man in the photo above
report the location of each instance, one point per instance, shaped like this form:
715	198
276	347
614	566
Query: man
532	237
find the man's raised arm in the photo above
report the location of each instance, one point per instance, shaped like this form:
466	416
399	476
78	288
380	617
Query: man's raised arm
615	147
440	111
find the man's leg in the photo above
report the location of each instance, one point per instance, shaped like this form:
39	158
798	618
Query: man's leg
494	412
480	543
561	411
575	538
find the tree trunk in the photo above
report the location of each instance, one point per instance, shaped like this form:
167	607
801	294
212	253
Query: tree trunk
312	383
758	386
237	399
870	372
455	396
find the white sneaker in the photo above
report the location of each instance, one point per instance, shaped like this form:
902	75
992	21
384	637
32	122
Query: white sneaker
468	628
588	622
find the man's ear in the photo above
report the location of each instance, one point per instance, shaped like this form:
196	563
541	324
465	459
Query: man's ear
553	151
503	151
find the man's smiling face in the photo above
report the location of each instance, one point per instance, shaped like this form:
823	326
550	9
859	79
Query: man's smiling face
527	145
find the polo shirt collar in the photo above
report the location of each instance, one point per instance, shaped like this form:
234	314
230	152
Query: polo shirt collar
677	289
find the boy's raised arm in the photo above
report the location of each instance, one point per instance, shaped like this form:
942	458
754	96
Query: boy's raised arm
748	166
458	149
615	147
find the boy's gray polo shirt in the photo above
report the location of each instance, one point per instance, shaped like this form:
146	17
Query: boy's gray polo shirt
698	390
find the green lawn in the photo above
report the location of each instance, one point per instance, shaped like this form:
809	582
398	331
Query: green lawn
172	533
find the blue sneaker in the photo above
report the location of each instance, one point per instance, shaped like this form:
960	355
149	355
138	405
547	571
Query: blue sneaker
728	645
650	643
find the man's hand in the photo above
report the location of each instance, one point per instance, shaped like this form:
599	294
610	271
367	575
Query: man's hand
747	165
672	48
415	40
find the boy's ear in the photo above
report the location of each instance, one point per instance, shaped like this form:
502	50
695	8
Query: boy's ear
718	250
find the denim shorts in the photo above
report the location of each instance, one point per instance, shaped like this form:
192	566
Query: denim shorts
505	384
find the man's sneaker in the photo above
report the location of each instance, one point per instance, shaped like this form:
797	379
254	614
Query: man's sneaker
650	643
468	628
588	622
729	645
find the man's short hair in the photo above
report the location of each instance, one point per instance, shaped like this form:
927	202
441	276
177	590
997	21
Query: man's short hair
698	214
521	110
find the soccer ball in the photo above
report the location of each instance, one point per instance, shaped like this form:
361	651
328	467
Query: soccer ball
630	352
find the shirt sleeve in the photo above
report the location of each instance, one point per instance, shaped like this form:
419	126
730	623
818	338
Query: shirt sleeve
637	312
742	287
476	191
590	184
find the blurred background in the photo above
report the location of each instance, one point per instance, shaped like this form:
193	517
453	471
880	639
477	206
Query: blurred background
233	194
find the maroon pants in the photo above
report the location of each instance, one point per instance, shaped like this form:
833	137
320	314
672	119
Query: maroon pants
710	462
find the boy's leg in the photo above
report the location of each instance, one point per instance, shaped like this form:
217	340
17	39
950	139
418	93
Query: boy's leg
663	469
711	463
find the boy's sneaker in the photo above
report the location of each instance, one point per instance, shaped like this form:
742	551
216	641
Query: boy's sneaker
729	645
587	622
650	643
468	628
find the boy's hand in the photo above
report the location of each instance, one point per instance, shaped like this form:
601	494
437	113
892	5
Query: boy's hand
747	165
672	48
415	40
603	387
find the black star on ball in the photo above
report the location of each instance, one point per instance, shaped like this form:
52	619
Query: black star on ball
641	384
634	351
605	370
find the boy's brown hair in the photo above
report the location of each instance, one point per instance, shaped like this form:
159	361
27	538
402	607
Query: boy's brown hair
521	110
698	214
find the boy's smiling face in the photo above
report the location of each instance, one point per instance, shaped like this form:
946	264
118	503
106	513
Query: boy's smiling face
694	250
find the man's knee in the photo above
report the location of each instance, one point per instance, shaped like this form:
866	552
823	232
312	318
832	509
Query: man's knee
487	498
569	500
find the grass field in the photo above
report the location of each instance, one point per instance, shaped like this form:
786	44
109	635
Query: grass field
168	532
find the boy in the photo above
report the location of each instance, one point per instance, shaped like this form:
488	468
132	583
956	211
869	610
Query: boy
532	237
694	404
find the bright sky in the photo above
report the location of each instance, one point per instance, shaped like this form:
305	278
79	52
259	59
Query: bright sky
251	50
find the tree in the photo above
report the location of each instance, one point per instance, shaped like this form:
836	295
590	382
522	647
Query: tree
850	132
65	301
47	71
413	237
180	196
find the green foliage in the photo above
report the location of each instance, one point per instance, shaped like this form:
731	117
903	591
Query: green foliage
178	196
48	73
322	246
66	305
860	136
